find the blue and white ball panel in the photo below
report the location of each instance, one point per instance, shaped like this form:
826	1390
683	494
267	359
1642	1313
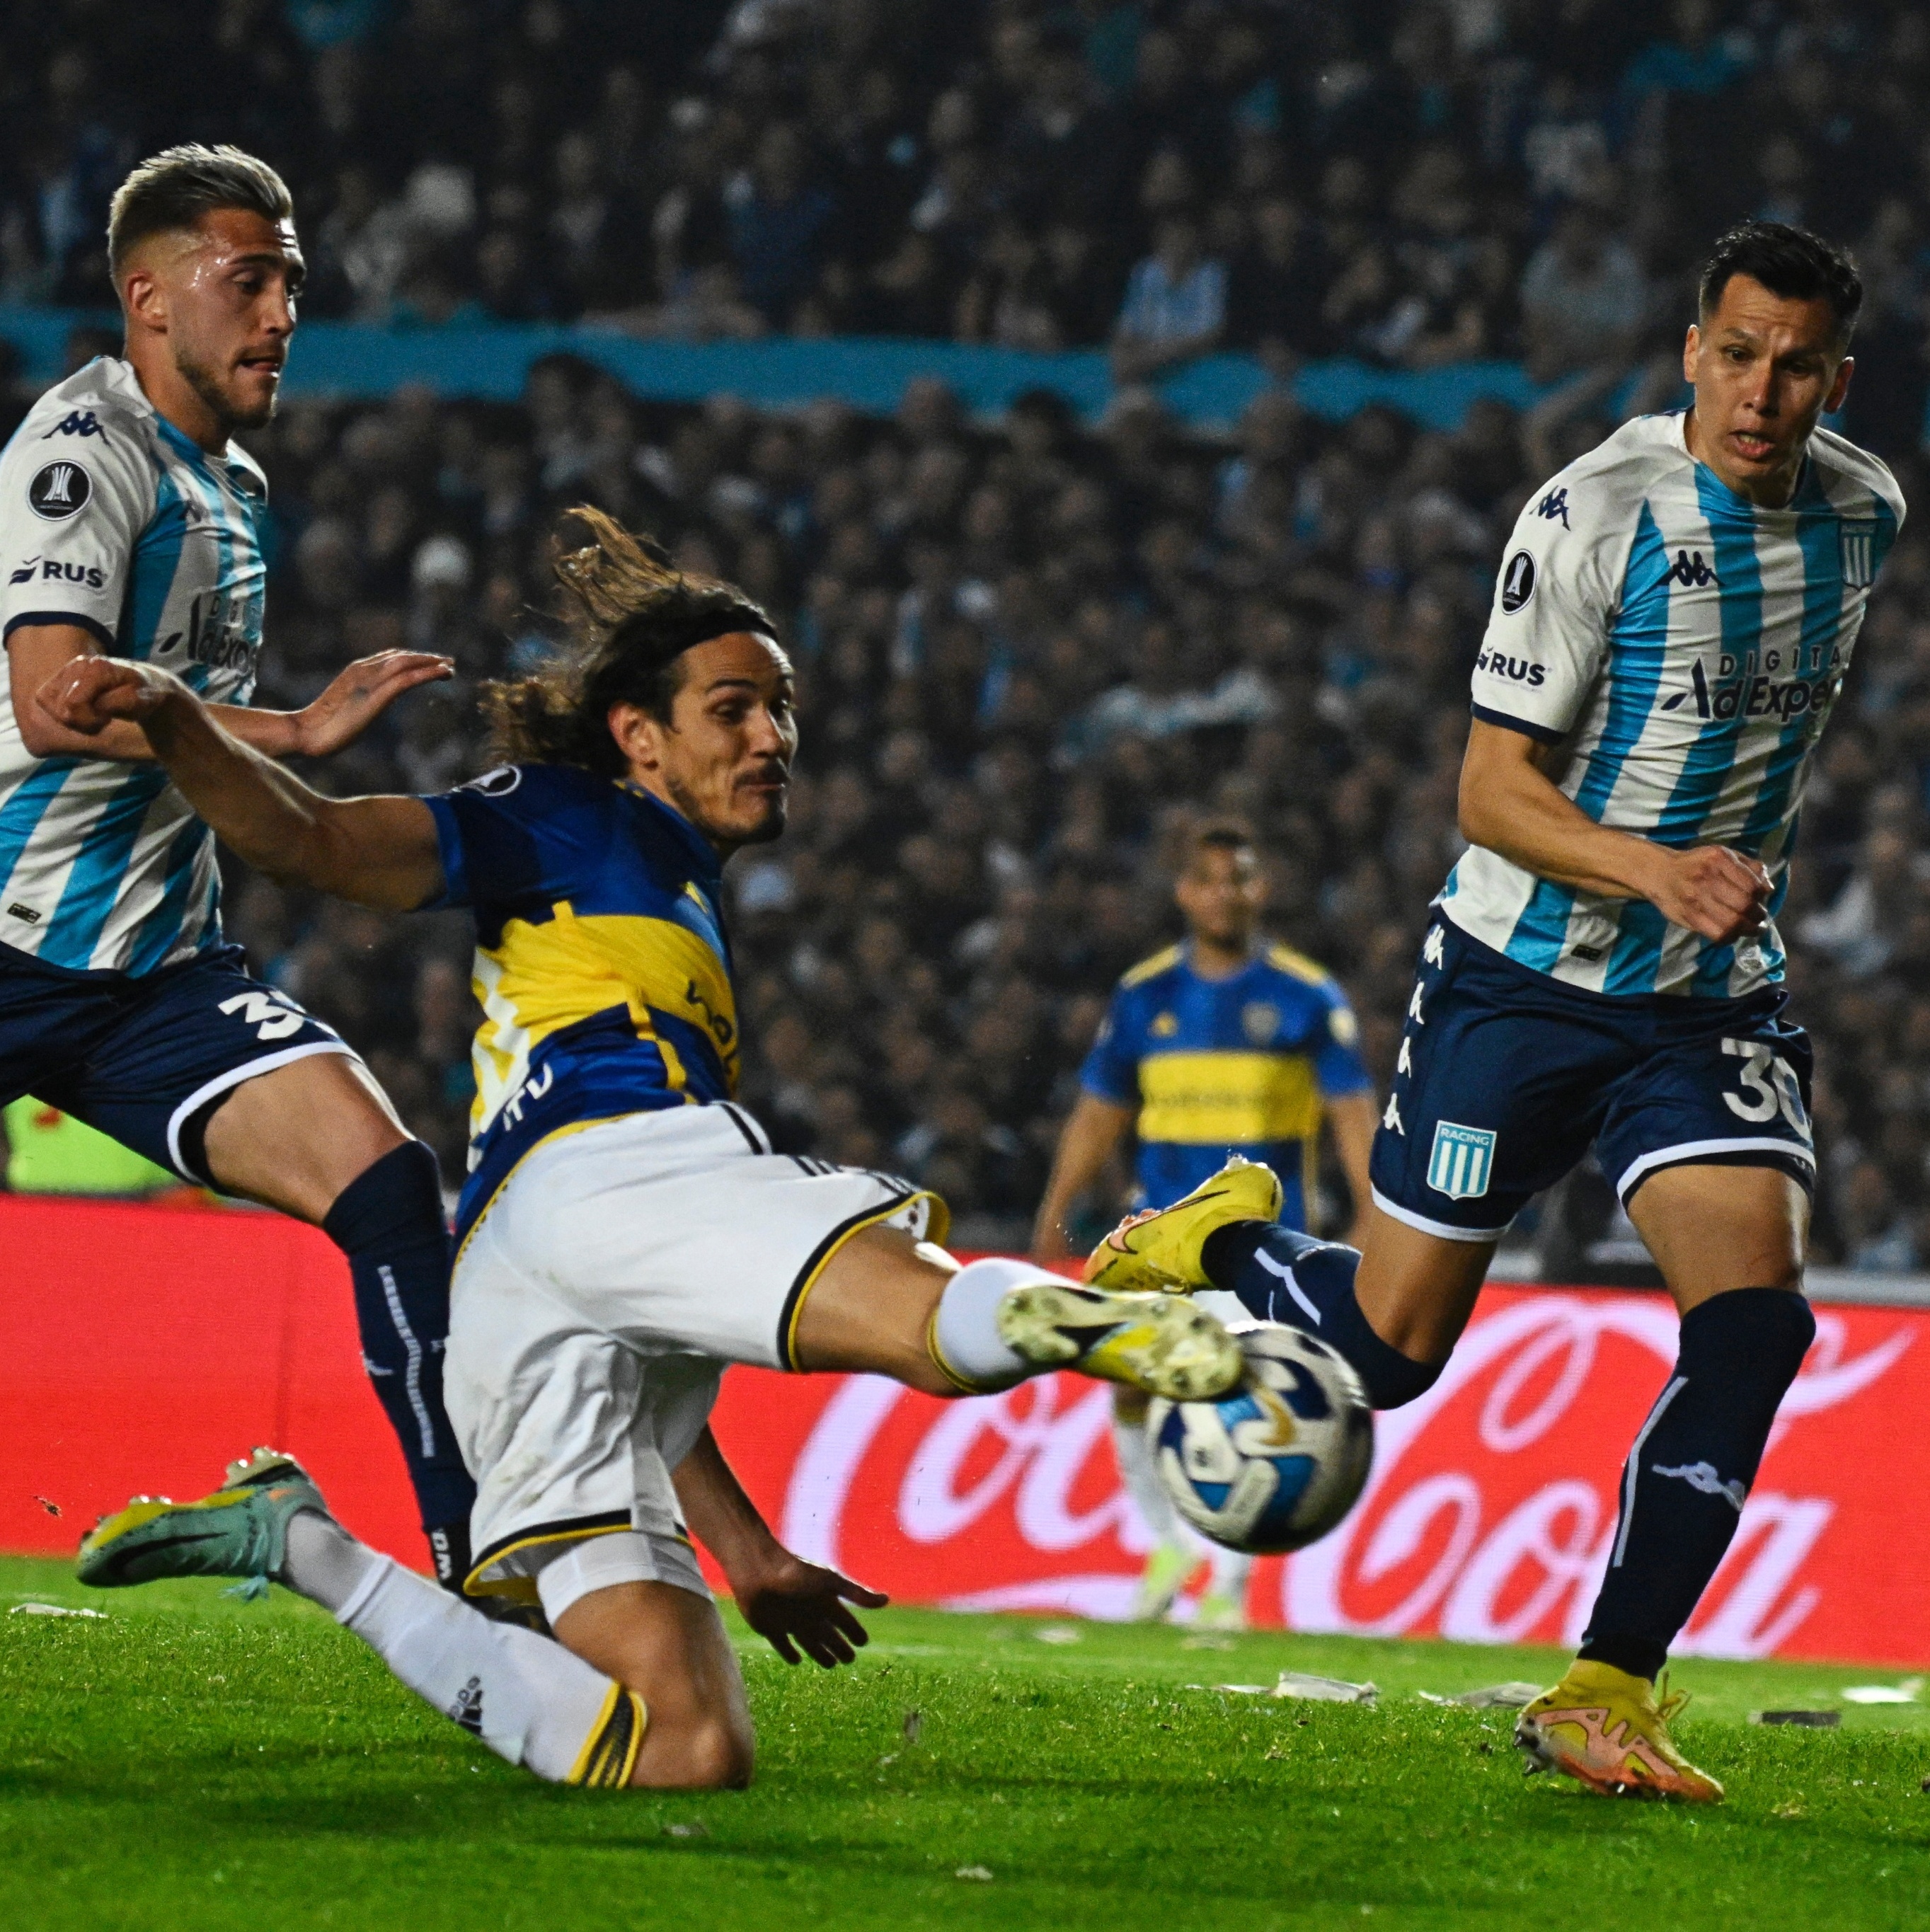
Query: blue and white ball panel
1506	1076
1276	1464
1683	648
138	1058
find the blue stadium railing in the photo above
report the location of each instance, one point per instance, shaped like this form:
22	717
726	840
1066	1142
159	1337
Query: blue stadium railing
350	359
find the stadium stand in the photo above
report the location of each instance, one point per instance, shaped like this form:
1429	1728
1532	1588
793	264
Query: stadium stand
1031	648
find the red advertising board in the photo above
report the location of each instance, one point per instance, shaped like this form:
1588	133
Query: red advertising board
142	1346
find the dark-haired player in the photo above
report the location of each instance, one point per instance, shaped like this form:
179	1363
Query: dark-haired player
131	526
1669	633
1224	1044
626	1231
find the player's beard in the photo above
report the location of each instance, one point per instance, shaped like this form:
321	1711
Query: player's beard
202	379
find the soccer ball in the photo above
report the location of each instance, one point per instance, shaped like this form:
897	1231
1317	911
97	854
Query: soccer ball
1276	1464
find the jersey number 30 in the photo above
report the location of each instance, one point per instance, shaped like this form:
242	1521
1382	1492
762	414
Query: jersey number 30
1771	1084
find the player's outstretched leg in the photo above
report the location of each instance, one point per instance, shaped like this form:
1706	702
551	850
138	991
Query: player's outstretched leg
886	1304
1224	1235
528	1699
998	1321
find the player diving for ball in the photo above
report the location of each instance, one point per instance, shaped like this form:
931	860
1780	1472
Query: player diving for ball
626	1231
1670	632
131	525
1224	1044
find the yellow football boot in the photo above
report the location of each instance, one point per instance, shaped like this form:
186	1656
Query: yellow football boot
1161	1344
1157	1250
1611	1731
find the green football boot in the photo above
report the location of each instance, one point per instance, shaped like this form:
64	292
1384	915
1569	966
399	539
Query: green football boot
241	1530
1161	1344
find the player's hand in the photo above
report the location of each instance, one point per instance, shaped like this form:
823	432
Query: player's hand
359	695
1722	894
797	1607
87	694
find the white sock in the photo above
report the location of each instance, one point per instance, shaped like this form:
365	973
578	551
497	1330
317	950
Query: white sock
965	1341
1231	1569
1138	1471
322	1561
528	1699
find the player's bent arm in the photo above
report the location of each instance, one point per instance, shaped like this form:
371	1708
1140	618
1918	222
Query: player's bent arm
798	1607
1509	804
1093	1129
381	852
353	700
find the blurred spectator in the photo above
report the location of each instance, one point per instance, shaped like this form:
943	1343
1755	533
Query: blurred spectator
1029	654
1175	305
1583	299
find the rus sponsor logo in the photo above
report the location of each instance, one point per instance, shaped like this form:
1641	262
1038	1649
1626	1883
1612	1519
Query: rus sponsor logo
1521	670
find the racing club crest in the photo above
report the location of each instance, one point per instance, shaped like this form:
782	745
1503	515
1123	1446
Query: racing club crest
1856	538
1462	1161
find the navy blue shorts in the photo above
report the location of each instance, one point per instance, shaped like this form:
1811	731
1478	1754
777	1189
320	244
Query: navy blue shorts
146	1060
1506	1076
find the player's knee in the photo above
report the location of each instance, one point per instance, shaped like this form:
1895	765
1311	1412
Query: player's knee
704	1753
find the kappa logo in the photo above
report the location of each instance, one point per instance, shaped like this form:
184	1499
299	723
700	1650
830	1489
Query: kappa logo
1462	1162
1518	582
1553	504
1689	570
77	422
58	490
1703	1476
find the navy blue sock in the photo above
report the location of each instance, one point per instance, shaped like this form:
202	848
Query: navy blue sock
1284	1275
388	1222
1684	1484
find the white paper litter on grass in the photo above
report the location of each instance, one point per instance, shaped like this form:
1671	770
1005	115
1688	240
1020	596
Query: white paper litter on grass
1509	1696
55	1610
1323	1689
1298	1683
1904	1693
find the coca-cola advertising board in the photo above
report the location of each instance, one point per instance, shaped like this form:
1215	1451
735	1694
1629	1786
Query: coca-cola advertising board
1487	1518
145	1346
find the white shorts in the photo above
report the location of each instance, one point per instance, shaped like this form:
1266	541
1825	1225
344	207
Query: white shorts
594	1308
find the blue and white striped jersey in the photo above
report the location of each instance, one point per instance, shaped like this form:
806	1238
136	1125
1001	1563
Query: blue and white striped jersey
1683	648
111	519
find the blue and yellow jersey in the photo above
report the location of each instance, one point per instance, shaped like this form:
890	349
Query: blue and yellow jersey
1219	1066
602	964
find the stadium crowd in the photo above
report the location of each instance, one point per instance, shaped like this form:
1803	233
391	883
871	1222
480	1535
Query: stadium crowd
1411	181
1030	651
1029	656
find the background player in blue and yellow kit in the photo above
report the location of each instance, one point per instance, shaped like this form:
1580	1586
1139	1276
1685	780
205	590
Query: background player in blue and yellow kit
1226	1043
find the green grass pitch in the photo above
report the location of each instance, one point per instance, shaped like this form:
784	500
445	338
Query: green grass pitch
192	1762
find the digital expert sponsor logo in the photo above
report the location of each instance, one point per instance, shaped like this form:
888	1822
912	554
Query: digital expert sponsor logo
58	489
